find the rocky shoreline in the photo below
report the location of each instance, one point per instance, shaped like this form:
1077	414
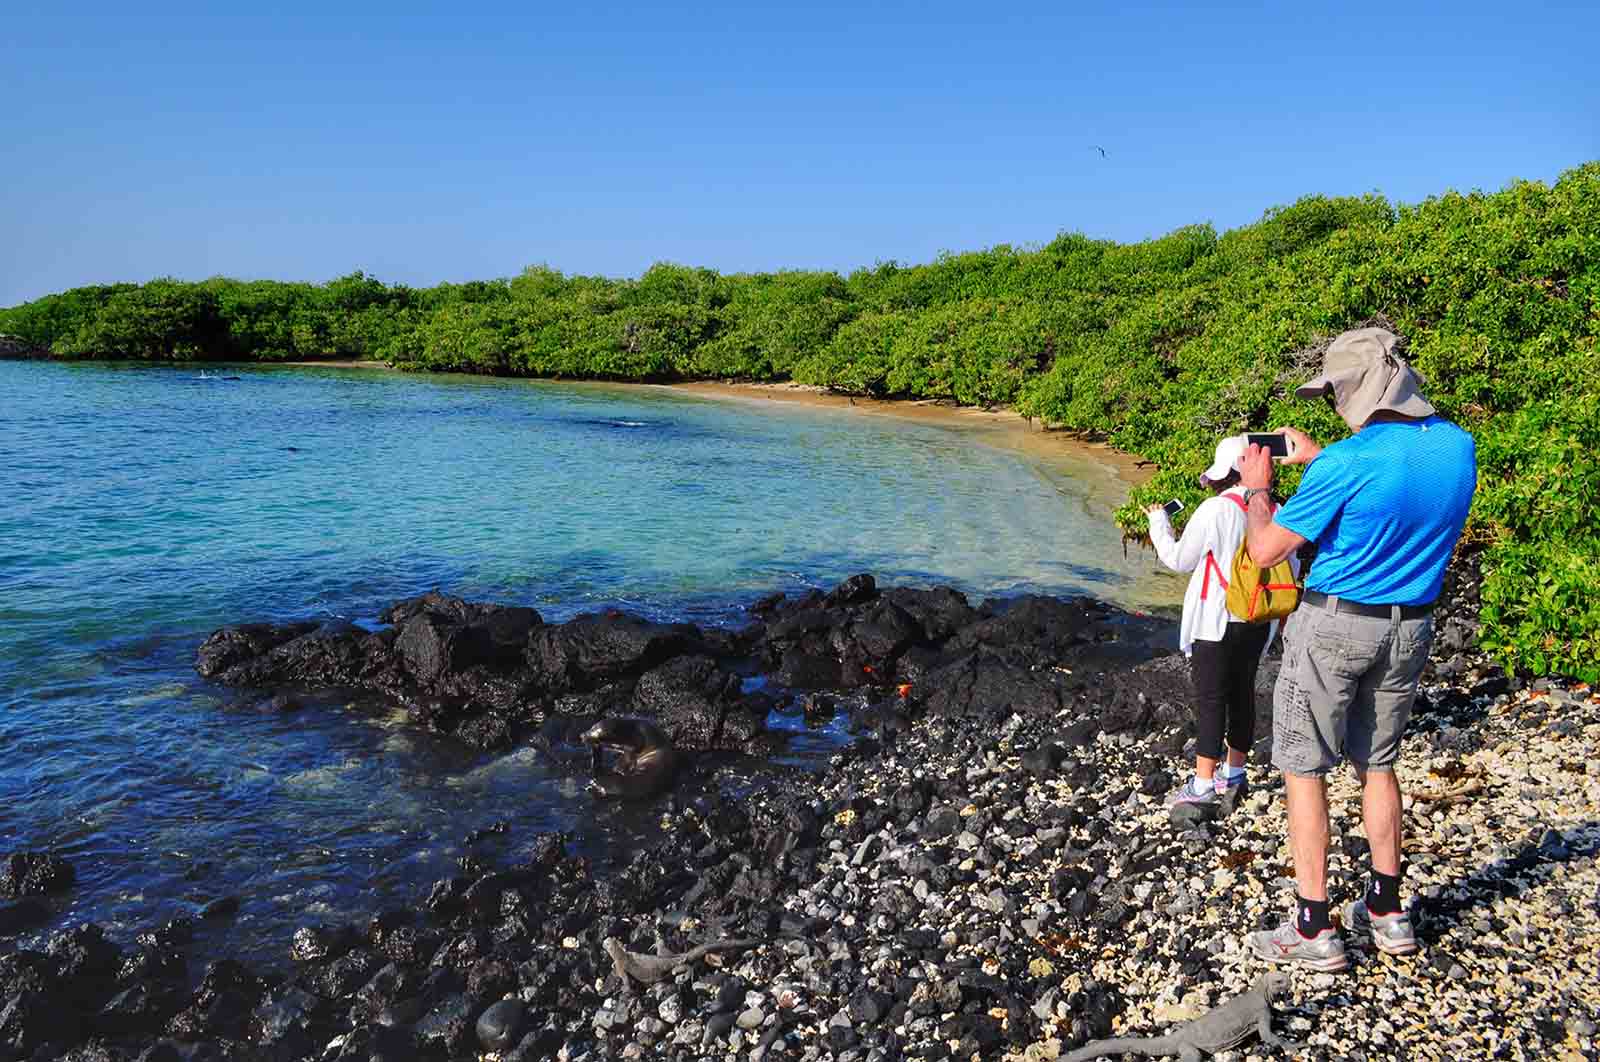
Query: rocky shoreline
987	872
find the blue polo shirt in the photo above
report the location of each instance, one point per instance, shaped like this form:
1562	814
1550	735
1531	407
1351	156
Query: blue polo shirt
1385	508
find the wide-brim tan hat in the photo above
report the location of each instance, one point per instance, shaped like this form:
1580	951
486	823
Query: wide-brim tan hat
1366	376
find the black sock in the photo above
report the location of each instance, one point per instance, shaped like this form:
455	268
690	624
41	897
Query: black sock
1311	916
1383	894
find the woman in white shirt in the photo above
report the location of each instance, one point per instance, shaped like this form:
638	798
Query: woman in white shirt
1224	652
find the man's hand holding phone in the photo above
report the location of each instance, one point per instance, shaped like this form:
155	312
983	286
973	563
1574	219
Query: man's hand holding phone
1303	449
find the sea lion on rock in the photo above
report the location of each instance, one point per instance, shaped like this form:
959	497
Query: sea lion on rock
647	763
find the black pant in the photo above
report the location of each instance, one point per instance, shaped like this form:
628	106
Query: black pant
1224	676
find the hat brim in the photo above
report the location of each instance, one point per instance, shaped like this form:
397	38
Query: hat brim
1314	388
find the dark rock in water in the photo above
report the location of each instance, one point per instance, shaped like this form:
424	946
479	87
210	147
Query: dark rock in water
29	1019
388	986
598	647
222	907
86	962
490	979
221	1006
500	1027
498	829
22	915
880	636
939	611
444	637
34	874
811	667
856	588
371	1042
142	1008
343	976
689	696
26	971
161	1051
232	646
167	964
283	1023
317	943
448	1027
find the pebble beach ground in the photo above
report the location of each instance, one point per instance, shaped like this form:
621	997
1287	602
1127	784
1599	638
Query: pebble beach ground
987	872
1067	893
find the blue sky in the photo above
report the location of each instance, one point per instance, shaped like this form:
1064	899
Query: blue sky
430	142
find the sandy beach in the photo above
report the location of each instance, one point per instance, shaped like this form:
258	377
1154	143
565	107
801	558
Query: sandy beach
994	427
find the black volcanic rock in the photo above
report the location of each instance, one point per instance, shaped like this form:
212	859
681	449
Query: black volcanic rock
689	696
597	647
22	915
1032	630
984	686
232	646
34	874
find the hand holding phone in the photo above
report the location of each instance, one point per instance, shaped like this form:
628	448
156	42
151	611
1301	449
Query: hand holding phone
1278	445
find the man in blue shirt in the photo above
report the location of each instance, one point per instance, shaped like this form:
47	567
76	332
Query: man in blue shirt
1385	508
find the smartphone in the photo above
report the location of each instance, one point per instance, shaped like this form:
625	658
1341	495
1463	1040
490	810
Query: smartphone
1173	507
1275	444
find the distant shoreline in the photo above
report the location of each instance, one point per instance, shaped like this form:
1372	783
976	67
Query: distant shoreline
1000	426
1003	426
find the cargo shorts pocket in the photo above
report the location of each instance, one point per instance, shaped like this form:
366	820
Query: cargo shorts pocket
1298	744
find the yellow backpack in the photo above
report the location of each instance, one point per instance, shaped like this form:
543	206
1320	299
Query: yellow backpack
1254	595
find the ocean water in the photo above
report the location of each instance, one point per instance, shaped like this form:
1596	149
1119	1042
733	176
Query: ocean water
143	507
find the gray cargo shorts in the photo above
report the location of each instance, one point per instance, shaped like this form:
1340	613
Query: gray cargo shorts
1346	689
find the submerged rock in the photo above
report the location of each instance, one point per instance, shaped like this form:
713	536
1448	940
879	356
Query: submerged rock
34	874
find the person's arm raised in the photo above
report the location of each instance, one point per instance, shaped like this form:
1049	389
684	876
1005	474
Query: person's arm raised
1267	542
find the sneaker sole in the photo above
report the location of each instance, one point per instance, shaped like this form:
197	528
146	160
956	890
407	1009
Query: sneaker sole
1407	948
1332	964
1364	931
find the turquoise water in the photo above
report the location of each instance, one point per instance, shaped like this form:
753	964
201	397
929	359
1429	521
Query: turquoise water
142	507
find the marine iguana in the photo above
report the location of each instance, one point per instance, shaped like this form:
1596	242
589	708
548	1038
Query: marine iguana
647	969
1226	1026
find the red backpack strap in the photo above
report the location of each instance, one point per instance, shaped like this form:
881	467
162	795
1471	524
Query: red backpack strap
1212	566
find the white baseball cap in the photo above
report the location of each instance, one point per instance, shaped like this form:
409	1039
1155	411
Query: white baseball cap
1226	459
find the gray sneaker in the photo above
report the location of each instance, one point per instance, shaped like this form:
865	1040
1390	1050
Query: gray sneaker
1186	807
1230	793
1285	946
1392	933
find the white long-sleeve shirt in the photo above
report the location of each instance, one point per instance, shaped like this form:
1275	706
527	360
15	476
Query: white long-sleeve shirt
1217	527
